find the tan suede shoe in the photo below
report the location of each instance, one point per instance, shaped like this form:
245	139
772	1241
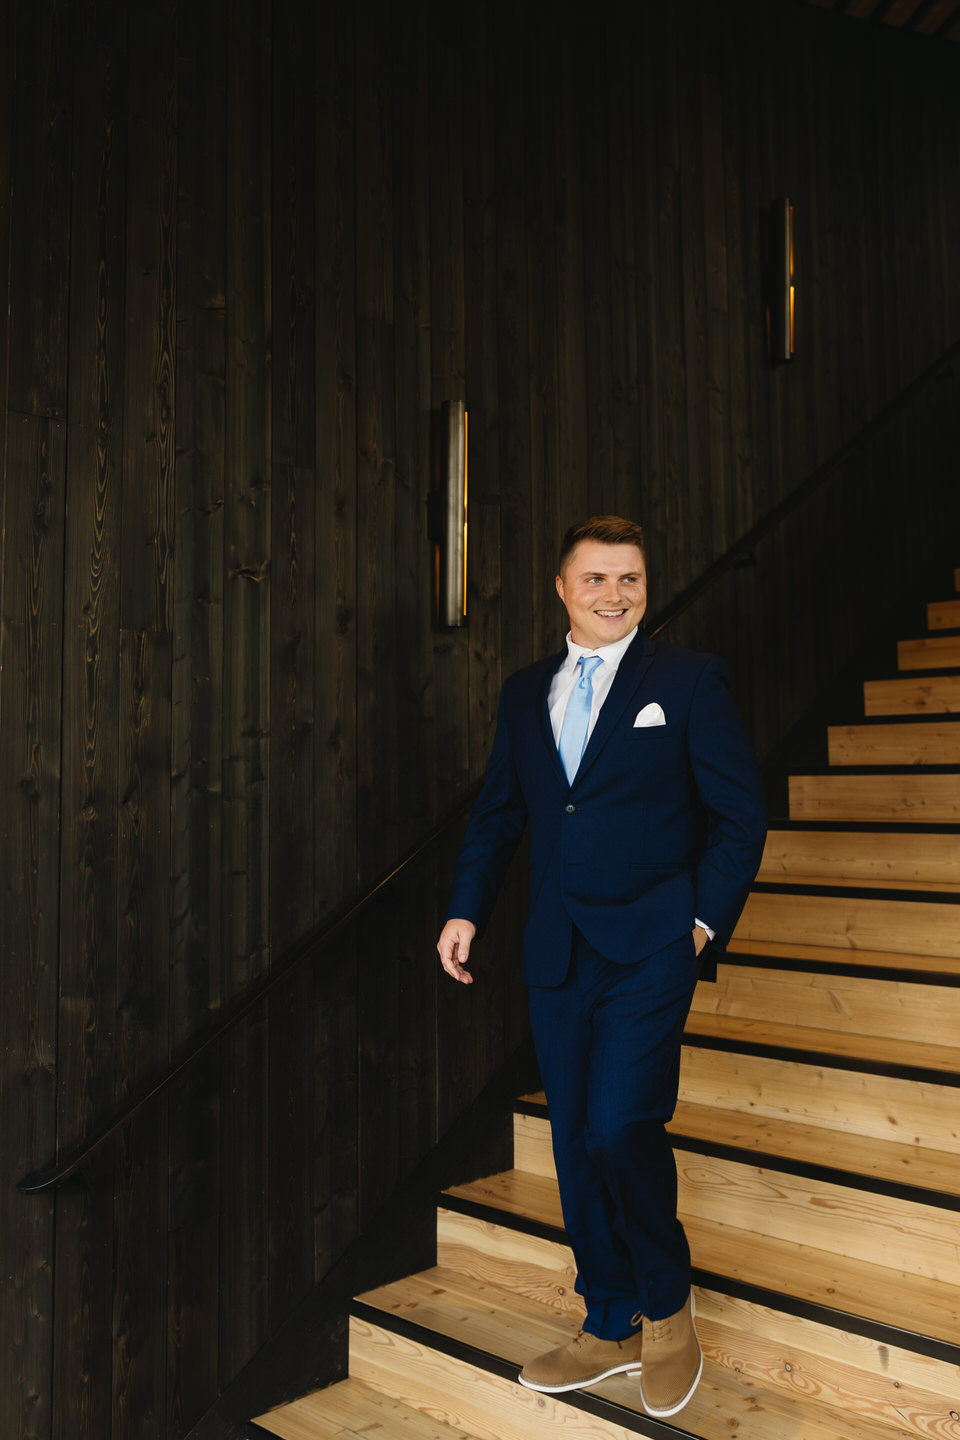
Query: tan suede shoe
582	1361
672	1362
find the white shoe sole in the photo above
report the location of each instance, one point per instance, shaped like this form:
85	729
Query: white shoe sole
632	1369
659	1414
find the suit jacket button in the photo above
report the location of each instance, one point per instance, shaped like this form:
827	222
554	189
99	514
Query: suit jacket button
571	809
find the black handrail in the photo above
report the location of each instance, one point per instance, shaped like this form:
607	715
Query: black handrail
308	947
311	945
742	551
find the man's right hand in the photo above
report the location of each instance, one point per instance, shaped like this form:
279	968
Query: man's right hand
454	948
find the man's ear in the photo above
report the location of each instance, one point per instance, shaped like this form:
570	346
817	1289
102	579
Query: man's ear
560	586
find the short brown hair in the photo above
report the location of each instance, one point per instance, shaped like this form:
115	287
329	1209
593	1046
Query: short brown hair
607	529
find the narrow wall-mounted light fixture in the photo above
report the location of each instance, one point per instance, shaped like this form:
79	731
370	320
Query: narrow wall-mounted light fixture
447	523
781	320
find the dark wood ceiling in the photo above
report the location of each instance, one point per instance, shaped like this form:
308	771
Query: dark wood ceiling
940	18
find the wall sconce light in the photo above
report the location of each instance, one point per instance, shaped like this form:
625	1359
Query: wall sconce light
447	518
781	313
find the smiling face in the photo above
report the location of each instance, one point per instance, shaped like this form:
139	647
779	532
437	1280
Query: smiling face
604	590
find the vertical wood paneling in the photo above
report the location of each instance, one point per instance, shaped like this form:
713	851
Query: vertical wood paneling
293	672
417	717
197	707
244	1228
150	358
716	284
7	74
633	110
739	231
666	539
251	250
567	484
334	1078
513	354
482	389
91	715
613	239
30	651
40	219
140	1194
379	643
696	500
540	117
377	657
601	93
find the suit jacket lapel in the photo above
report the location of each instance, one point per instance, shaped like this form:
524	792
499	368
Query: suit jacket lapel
546	729
630	672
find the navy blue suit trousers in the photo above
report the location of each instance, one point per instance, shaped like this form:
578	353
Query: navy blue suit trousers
608	1043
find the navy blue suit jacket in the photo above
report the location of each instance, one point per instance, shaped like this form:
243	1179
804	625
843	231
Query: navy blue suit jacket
663	824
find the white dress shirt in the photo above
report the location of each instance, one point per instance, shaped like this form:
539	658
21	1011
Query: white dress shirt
561	688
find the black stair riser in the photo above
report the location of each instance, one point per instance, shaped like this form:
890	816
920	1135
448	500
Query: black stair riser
874	772
940	718
852	891
824	1058
868	827
846	969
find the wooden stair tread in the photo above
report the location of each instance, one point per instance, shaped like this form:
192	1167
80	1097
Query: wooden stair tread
853	922
890	1161
918	798
351	1409
847	1284
901	1009
873	1049
931	743
928	652
930	860
918	1116
913	695
515	1192
501	1323
943	615
854	1287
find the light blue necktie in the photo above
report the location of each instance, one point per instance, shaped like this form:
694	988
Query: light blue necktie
576	721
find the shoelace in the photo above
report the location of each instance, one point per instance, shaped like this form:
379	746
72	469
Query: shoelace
661	1330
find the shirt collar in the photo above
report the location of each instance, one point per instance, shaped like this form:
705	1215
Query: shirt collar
610	654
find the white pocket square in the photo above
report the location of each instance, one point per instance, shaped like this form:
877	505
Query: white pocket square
650	715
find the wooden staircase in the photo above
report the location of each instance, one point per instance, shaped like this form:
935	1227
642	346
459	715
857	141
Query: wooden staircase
817	1141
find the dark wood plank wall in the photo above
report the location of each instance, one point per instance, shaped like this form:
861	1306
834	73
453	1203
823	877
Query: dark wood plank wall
249	251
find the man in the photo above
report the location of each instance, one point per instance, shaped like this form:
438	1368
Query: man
647	824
